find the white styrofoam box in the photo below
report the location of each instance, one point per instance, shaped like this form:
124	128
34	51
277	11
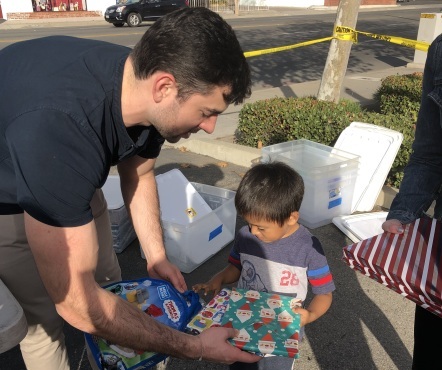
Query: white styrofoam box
361	226
188	245
13	324
179	200
329	177
377	147
123	232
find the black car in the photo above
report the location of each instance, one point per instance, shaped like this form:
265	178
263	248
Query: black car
133	12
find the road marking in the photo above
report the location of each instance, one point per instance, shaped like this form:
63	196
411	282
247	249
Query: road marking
82	37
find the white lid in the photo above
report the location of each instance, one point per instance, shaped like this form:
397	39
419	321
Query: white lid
361	226
377	147
179	200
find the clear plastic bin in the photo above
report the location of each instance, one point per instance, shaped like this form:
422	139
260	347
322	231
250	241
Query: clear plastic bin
189	244
329	176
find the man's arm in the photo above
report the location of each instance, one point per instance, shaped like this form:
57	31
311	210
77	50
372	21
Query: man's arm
66	259
140	194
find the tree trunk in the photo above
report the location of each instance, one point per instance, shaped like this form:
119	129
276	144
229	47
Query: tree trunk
338	54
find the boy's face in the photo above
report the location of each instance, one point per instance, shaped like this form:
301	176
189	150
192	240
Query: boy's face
269	231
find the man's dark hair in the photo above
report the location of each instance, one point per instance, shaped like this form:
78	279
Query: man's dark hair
270	191
199	49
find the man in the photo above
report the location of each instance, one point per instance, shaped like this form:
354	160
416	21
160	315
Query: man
420	187
70	109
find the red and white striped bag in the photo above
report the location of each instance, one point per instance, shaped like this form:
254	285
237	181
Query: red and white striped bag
408	263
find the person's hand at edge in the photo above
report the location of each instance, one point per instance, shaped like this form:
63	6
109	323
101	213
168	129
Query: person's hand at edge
166	270
216	348
393	226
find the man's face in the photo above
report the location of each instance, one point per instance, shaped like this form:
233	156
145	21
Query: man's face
177	120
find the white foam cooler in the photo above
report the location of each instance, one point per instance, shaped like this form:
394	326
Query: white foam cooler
198	220
329	176
123	232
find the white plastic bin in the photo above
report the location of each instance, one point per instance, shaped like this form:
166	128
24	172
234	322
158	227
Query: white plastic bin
190	241
329	176
13	324
123	232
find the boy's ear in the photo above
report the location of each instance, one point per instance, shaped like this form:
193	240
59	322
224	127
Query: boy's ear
294	218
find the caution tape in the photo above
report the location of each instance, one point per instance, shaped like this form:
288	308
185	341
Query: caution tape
345	34
255	53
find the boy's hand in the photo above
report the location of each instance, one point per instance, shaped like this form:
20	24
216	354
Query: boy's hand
305	315
207	287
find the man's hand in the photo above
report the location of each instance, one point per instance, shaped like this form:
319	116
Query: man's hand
393	226
164	269
216	348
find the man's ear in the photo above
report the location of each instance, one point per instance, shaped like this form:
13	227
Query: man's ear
164	86
294	218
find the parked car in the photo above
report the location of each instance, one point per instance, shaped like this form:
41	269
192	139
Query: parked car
133	12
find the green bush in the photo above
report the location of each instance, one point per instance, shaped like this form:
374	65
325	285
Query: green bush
273	121
401	95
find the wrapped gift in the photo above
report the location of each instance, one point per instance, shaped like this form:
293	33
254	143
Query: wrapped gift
267	322
211	314
407	263
158	299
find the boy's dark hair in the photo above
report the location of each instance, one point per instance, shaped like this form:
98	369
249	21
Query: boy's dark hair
199	49
270	191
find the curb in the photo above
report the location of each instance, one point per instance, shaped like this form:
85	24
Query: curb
239	155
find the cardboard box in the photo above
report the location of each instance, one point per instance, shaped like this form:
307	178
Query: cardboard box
408	263
211	314
267	322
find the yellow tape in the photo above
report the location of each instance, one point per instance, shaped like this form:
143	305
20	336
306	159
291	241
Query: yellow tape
249	54
418	45
345	34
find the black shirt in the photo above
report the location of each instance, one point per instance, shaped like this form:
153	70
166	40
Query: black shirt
61	127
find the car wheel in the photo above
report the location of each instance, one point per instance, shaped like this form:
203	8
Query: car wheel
133	19
118	24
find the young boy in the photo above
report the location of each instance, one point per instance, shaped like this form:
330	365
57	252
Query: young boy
274	253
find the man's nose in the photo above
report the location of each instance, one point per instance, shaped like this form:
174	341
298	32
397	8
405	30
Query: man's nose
208	125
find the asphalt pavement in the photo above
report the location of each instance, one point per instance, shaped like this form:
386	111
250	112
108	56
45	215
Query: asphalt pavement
368	326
